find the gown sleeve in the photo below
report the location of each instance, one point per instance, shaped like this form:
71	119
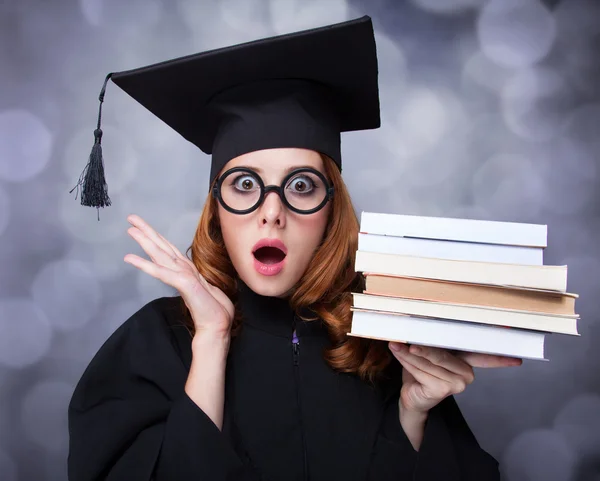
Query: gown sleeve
131	420
449	450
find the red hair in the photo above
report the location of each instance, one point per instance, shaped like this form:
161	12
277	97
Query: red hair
325	291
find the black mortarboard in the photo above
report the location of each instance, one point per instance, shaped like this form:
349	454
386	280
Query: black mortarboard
296	90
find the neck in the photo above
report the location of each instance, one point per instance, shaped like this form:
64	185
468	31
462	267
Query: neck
273	314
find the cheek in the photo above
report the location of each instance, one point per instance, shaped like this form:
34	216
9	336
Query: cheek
232	231
311	230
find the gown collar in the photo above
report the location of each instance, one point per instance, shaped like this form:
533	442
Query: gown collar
275	315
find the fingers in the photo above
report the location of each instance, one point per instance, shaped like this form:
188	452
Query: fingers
476	359
420	376
431	386
173	248
139	223
445	360
441	365
157	271
160	250
156	246
156	253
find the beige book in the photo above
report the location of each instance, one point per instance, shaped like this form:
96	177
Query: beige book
549	302
468	313
515	275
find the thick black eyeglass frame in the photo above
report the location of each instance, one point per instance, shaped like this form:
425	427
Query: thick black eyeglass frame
264	190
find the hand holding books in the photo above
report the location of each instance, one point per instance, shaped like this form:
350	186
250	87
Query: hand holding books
431	374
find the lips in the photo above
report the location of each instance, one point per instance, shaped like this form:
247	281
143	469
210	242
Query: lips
269	251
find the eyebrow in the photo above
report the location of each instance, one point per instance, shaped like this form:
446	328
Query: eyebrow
286	171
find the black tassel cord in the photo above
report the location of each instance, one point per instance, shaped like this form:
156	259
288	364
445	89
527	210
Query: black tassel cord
94	190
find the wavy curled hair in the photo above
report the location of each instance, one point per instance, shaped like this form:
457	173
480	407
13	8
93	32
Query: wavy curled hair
326	291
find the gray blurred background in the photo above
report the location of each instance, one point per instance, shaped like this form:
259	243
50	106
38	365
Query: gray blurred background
491	110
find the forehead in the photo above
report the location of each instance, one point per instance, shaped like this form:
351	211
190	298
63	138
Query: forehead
277	161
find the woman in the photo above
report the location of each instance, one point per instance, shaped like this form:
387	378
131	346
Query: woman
248	374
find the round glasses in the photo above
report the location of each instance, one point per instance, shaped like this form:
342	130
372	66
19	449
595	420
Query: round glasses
240	190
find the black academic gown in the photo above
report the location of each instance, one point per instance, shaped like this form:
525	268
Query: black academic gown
288	415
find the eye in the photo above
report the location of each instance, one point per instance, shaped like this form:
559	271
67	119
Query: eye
302	184
245	183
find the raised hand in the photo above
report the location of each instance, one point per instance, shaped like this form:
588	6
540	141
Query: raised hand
431	374
211	309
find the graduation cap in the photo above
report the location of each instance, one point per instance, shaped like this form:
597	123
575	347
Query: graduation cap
295	90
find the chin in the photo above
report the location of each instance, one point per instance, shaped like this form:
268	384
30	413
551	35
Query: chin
272	286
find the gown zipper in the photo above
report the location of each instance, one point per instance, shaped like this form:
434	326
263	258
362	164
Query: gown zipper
296	357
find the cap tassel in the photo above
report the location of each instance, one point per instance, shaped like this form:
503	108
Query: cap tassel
94	190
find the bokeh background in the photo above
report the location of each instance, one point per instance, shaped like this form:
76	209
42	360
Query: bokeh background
491	110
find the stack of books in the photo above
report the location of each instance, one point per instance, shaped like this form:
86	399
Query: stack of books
460	284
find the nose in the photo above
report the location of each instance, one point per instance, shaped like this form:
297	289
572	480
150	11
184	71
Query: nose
272	210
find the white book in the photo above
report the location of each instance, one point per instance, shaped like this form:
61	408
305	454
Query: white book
535	321
552	278
445	228
448	334
445	249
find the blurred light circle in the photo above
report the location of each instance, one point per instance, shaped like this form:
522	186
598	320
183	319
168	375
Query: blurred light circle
516	33
372	179
208	28
25	145
246	16
485	73
451	154
8	468
104	260
68	292
163	158
530	103
121	164
159	211
571	175
393	68
509	185
578	21
44	415
92	11
134	14
401	199
117	313
447	6
25	333
579	423
577	44
539	454
582	124
489	134
5	208
288	16
418	126
393	73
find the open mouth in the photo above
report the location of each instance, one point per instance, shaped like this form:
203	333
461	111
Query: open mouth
269	255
